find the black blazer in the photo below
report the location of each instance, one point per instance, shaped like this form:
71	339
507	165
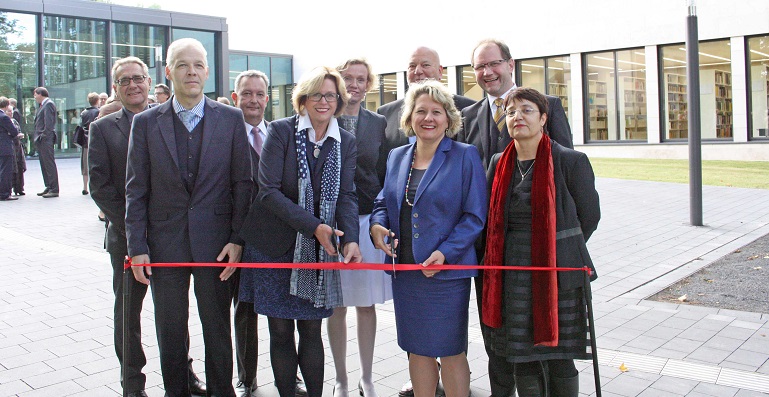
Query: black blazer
107	157
577	209
372	158
45	121
477	123
392	112
162	218
273	231
8	133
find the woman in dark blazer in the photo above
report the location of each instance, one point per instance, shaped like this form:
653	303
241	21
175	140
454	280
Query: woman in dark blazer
543	208
307	198
361	289
434	203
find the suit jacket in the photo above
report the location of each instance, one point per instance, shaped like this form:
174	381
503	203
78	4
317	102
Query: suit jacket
392	112
450	205
162	218
88	116
372	158
107	158
577	209
273	231
477	124
8	133
17	116
45	121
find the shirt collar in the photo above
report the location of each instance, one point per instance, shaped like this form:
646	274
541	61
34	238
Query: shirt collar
331	132
492	98
197	109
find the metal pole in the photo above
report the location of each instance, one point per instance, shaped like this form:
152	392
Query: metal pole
591	329
126	297
695	133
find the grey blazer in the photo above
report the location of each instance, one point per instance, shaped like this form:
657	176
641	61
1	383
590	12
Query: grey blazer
107	157
162	218
372	158
45	121
476	125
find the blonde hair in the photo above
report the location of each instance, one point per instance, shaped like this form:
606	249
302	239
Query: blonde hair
311	82
358	61
438	93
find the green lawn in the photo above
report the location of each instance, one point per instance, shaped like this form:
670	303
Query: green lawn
750	174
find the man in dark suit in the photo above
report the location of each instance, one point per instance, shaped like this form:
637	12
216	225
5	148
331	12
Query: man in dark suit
8	133
251	88
424	64
484	126
188	186
45	139
484	122
107	153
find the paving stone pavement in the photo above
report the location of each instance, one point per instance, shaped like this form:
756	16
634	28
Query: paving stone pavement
56	301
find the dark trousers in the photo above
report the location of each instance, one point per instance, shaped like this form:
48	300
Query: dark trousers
48	164
136	358
246	343
6	175
501	379
170	293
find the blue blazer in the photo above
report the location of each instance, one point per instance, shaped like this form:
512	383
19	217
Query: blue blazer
450	205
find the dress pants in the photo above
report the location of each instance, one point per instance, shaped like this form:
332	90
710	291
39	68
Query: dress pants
501	372
48	164
170	293
6	175
136	358
246	343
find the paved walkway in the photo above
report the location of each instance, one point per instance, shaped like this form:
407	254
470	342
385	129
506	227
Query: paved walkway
56	301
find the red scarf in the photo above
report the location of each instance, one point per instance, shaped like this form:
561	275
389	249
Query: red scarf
544	285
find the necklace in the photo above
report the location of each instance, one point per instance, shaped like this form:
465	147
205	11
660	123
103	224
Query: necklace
520	168
316	151
408	180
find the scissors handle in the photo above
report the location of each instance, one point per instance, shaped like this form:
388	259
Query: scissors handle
391	241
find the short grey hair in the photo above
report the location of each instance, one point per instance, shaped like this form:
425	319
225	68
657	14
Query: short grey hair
248	74
122	61
181	44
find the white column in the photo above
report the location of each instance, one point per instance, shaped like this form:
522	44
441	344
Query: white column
652	95
739	94
451	76
577	112
400	80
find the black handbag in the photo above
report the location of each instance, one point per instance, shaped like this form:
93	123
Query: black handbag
80	138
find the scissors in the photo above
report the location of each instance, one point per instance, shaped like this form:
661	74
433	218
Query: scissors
335	241
390	239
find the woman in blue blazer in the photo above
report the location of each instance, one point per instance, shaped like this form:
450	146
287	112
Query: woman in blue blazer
434	204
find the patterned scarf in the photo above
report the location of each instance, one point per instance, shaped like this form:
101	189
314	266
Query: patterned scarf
322	287
544	285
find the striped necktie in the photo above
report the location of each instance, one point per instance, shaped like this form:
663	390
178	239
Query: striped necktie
499	115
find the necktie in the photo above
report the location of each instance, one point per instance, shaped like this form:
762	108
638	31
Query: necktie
186	116
499	115
257	140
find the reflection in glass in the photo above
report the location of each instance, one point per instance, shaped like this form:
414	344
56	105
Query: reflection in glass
18	75
532	74
601	100
558	70
469	86
388	87
758	60
142	41
208	39
631	76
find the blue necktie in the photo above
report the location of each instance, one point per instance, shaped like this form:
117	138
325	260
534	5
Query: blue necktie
186	116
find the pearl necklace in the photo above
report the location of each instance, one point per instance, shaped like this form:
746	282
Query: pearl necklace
520	168
408	180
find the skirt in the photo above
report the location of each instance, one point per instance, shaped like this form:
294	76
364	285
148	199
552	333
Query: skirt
366	287
431	315
268	289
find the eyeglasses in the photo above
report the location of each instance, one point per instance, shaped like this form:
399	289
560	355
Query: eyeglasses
316	97
490	65
127	80
524	112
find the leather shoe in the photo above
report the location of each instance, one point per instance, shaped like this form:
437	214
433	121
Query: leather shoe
246	390
301	390
43	192
138	393
9	198
50	194
21	194
197	387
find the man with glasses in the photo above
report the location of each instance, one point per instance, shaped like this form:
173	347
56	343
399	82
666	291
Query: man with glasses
485	127
108	149
188	187
162	93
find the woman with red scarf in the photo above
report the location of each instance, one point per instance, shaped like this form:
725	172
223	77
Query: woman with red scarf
543	208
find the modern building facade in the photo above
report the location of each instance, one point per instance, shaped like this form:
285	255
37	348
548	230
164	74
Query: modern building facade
51	43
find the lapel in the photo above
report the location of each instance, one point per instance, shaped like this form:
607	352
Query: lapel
362	120
123	124
165	125
403	173
484	117
211	110
432	169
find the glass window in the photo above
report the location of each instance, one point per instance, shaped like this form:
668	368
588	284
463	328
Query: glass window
468	86
631	76
758	61
208	39
558	72
18	64
144	42
260	63
238	64
75	65
282	82
388	88
532	74
600	101
715	90
372	101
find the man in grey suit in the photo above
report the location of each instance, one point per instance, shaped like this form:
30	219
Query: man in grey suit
45	139
188	186
424	64
107	157
484	126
